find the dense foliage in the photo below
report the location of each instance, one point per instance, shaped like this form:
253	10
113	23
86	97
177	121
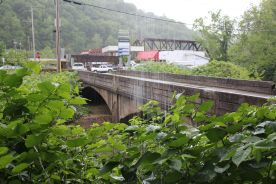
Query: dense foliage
255	46
183	145
222	69
14	57
251	44
33	109
212	69
48	53
2	49
215	36
161	68
83	27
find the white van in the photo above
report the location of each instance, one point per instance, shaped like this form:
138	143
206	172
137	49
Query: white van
79	66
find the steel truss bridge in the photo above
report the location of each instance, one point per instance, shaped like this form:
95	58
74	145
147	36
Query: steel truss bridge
168	44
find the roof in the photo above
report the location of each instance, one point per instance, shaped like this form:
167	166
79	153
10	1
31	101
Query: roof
148	55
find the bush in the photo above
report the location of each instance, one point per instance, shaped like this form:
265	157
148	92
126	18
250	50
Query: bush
47	52
222	69
267	71
213	69
159	147
161	68
15	57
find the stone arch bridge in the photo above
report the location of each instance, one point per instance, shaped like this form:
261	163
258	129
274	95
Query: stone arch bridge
125	91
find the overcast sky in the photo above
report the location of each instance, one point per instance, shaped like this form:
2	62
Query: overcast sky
188	10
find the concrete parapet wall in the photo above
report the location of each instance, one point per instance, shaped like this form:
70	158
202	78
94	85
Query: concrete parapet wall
264	87
123	94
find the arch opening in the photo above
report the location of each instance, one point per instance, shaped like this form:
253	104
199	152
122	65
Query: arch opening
96	110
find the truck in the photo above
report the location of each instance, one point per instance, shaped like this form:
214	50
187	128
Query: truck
102	69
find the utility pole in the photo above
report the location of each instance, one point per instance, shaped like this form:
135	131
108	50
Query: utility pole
58	35
33	32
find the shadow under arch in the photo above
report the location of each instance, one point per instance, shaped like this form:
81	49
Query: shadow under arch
94	99
129	117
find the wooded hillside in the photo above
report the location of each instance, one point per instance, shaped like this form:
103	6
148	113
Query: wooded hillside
83	27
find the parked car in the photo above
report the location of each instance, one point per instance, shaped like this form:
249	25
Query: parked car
78	66
9	67
102	69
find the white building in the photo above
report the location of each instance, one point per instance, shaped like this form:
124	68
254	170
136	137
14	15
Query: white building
184	58
113	50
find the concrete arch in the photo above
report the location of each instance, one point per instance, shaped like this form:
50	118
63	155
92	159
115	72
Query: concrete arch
120	106
89	92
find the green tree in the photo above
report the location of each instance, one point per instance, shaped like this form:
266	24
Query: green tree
111	41
95	42
47	52
255	47
79	26
2	49
15	57
216	36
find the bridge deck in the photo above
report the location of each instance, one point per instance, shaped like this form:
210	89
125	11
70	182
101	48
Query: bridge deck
200	87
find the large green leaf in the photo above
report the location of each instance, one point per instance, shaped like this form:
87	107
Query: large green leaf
3	150
108	167
179	142
43	118
46	87
222	169
175	164
265	145
22	72
148	158
77	101
64	91
33	140
61	130
206	106
67	113
19	168
13	80
215	134
5	160
56	106
33	66
77	142
241	155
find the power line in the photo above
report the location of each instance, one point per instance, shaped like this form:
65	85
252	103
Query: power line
123	12
147	17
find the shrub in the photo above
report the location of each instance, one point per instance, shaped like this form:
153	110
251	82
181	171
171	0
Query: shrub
162	68
159	147
222	69
213	69
267	71
15	57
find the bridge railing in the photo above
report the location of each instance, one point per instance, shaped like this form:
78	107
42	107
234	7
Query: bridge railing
264	87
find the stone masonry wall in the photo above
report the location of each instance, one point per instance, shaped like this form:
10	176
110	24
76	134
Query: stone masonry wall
265	87
145	90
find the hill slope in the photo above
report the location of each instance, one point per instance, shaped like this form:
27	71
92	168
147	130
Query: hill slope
83	27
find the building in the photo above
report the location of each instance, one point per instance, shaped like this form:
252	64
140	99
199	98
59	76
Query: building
186	58
113	50
148	56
